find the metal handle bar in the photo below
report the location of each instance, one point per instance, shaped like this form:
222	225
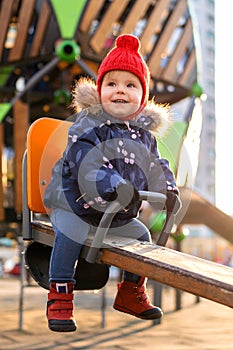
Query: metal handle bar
152	196
112	209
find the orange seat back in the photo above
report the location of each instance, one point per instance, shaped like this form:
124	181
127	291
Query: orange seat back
46	142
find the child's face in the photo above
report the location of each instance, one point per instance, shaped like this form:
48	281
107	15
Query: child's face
121	93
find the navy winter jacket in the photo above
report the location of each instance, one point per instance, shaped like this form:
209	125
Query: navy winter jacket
103	152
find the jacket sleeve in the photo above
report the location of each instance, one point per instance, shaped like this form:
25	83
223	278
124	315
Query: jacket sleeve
88	165
161	177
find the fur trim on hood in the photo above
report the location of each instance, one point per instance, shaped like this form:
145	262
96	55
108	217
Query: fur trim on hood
154	117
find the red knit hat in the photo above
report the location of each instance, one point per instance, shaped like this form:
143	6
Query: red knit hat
125	56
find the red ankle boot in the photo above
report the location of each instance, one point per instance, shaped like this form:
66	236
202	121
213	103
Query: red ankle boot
132	299
60	307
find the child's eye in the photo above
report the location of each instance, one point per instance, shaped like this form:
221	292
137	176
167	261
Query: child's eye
111	83
130	85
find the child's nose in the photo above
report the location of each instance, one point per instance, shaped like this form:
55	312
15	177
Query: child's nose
120	89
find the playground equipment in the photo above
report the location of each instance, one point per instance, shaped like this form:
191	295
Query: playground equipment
198	276
82	32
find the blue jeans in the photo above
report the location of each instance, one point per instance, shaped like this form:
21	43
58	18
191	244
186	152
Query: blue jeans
70	234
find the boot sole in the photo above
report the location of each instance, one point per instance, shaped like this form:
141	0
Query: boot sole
58	326
126	311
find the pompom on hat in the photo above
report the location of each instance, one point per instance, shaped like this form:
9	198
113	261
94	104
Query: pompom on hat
126	56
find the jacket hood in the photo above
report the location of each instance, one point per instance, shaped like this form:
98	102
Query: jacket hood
154	117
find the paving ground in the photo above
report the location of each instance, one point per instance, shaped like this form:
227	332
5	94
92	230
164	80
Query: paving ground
202	326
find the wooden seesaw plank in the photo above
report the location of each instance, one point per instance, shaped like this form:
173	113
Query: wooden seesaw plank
179	270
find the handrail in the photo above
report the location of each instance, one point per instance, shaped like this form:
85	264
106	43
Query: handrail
113	208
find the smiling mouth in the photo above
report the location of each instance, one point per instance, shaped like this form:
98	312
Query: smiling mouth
119	101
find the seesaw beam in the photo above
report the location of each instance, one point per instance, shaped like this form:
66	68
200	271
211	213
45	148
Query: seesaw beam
179	270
